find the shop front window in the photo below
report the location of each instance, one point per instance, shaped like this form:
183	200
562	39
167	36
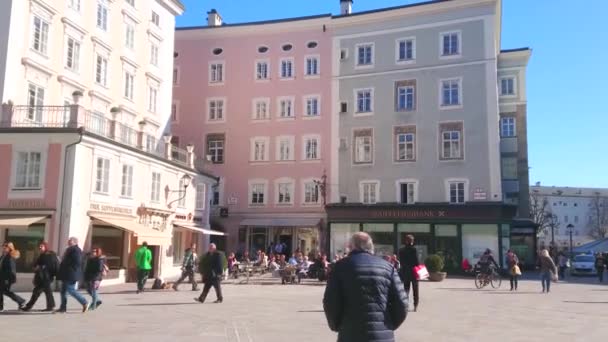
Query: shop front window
340	238
257	240
111	241
178	250
26	241
383	235
422	237
447	245
476	238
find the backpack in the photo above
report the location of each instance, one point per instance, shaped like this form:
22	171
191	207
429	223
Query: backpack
158	284
53	266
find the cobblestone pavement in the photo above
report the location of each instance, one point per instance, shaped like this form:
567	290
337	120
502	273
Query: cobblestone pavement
452	310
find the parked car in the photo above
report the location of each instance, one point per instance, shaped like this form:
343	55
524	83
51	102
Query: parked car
583	265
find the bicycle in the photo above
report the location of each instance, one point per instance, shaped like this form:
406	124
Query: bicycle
482	279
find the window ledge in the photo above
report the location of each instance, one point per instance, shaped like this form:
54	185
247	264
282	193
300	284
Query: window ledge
214	84
406	62
260	120
450	107
311	117
22	190
455	56
363	114
287	118
312	77
311	161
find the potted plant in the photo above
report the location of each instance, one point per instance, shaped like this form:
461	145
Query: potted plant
115	110
434	264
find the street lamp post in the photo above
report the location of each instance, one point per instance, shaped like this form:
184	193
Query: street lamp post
550	218
570	228
186	179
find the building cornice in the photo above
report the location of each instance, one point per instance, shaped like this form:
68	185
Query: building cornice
98	41
74	25
99	95
176	7
71	81
29	62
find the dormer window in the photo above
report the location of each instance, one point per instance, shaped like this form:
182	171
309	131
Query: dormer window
263	49
217	51
287	47
312	45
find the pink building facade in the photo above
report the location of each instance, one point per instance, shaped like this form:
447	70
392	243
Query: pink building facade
257	99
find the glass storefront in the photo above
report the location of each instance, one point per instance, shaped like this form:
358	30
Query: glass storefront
422	237
111	240
339	241
476	238
448	245
26	241
383	235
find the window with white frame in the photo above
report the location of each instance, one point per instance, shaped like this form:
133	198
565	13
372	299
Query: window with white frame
286	107
507	86
312	66
260	109
257	193
40	35
74	4
35	101
155	187
450	92
369	192
364	100
101	70
181	202
216	72
363	146
126	189
259	149
72	61
27	175
285	145
102	15
457	192
130	35
405	92
129	85
261	68
284	190
450	43
311	192
174	110
155	18
201	196
451	145
102	179
215	147
406	146
407	192
365	54
154	54
312	106
215	111
406	50
287	68
507	127
152	98
311	147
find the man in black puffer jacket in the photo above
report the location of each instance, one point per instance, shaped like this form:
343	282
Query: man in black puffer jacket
364	299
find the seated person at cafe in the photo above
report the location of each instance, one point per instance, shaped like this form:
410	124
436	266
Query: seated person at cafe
273	265
282	263
232	263
293	260
245	258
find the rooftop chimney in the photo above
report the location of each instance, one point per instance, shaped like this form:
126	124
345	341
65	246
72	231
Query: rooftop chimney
214	18
346	7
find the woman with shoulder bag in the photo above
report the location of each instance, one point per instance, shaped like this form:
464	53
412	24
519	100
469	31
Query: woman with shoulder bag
514	271
548	270
8	274
45	270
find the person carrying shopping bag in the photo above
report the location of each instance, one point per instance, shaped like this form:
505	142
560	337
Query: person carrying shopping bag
514	270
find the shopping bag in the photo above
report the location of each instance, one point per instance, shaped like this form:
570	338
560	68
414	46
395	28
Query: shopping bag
515	271
554	277
421	272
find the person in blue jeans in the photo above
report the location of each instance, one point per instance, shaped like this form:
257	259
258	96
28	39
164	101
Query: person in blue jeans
70	272
93	274
547	270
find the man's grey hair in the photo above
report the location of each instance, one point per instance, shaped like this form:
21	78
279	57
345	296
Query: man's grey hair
212	246
74	240
361	241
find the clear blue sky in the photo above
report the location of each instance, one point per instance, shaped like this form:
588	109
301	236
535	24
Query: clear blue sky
567	75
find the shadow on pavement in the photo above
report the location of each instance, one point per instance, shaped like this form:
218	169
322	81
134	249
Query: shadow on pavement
458	289
510	292
576	302
160	304
306	311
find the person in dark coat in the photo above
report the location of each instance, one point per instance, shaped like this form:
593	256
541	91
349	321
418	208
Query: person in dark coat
408	256
45	270
8	274
212	267
93	274
70	272
364	299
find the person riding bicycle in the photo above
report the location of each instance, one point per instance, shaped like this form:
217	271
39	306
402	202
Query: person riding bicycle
486	261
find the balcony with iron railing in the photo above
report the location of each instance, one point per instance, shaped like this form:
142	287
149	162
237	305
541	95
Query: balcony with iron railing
96	123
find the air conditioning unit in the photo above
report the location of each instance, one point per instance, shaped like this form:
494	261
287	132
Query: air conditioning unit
343	107
343	54
343	144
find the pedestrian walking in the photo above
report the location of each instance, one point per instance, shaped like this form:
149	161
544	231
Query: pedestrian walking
514	270
364	299
548	270
562	261
8	274
143	259
188	267
408	257
212	267
94	271
70	272
45	271
600	265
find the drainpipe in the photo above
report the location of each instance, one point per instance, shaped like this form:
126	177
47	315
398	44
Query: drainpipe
65	162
